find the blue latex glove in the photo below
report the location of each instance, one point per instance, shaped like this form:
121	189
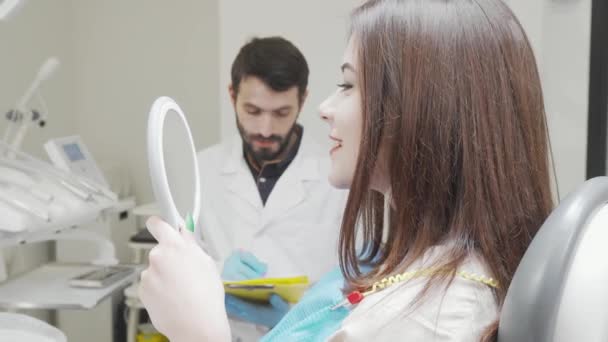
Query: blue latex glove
267	315
242	265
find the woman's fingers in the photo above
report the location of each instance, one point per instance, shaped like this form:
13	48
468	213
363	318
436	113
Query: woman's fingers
161	230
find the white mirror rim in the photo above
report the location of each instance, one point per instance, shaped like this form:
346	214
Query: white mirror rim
158	173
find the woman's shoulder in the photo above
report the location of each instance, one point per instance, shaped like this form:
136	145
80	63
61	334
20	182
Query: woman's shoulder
458	312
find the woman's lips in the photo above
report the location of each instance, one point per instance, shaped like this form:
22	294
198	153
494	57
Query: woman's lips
337	144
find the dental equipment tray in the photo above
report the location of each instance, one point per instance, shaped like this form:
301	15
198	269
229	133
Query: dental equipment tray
101	277
48	287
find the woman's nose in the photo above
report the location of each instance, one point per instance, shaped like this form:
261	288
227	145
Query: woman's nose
325	110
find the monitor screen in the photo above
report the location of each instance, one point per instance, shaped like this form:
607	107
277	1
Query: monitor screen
73	152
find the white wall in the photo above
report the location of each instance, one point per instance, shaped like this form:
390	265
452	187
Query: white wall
318	28
560	32
566	52
126	54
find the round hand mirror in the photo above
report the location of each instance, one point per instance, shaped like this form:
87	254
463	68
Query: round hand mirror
173	166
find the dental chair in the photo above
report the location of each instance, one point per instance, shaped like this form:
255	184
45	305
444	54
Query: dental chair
559	292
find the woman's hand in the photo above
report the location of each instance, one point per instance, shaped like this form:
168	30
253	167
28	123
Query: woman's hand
181	289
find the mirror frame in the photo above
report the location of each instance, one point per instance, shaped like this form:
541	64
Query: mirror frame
158	174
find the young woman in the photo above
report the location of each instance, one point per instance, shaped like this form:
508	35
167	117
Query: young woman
440	134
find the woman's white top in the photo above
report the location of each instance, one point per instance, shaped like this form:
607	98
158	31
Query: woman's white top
460	313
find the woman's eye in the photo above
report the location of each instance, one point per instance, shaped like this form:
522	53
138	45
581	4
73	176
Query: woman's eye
345	86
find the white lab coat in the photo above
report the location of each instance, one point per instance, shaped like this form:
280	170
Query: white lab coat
295	233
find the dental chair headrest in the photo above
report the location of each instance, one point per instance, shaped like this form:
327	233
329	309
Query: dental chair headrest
560	290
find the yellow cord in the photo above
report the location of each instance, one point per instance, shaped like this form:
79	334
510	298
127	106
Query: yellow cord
399	278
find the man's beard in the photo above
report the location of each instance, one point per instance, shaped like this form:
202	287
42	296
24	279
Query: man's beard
264	154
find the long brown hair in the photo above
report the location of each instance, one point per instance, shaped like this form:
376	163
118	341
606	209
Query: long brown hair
452	104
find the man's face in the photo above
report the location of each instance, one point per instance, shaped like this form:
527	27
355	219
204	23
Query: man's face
265	118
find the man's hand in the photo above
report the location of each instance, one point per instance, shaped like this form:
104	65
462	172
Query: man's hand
242	265
267	315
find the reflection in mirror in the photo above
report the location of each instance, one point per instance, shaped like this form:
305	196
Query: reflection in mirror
179	164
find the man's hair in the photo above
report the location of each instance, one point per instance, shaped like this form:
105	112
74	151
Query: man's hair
274	60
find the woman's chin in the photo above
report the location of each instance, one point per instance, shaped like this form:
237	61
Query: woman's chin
339	181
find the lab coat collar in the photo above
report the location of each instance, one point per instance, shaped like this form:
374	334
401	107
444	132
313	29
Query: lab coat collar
306	158
289	190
